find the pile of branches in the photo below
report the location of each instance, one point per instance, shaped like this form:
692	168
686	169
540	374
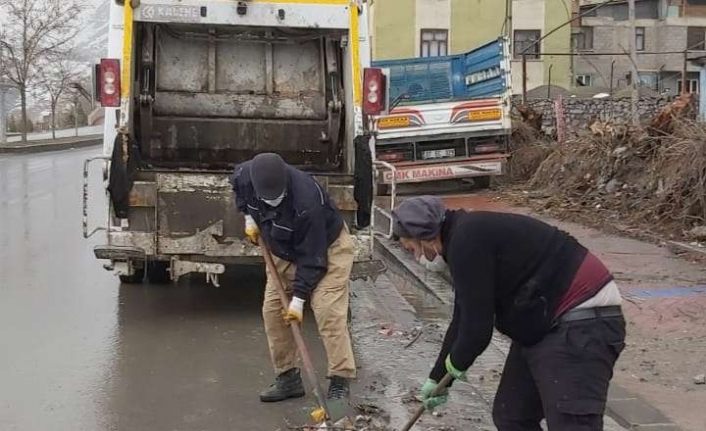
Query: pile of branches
529	146
640	175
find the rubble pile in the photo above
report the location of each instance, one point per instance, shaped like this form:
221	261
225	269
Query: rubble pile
529	146
639	175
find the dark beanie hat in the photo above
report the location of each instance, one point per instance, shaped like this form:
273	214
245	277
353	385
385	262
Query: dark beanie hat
419	218
268	173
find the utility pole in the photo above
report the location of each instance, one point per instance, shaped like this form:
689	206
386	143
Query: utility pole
633	59
684	84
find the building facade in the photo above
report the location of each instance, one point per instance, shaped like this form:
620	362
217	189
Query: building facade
667	33
419	28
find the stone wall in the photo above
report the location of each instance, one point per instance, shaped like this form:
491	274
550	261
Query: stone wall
579	113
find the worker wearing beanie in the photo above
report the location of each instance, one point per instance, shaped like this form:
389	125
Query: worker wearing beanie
313	252
540	287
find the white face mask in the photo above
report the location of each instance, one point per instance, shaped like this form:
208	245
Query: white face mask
437	264
276	201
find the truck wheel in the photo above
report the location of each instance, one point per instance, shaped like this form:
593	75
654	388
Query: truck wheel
157	272
135	278
482	182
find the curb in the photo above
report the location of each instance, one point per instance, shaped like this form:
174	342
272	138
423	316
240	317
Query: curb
626	408
44	146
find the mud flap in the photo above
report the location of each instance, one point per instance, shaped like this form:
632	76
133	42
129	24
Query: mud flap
363	181
122	167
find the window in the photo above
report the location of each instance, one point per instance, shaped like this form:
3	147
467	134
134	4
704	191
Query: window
433	43
526	40
583	39
648	79
640	38
692	86
644	9
584	80
695	38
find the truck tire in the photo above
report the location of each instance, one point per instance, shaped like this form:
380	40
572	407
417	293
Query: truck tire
482	182
135	278
157	272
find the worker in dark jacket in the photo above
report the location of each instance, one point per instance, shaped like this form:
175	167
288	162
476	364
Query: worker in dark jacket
540	287
313	253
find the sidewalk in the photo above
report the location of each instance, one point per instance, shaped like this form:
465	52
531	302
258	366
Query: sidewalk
37	146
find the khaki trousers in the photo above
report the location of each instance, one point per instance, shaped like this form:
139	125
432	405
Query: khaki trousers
329	302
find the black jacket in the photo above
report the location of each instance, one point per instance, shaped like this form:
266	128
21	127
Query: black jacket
299	230
508	270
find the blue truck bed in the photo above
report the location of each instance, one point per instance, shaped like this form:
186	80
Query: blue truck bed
481	73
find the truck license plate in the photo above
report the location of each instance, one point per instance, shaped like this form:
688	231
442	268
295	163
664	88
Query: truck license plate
438	154
485	115
393	122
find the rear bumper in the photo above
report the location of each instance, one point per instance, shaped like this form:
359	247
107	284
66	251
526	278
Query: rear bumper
467	168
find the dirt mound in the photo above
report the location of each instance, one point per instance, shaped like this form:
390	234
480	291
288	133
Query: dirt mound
528	148
640	175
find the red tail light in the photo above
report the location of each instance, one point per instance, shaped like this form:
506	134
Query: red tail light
110	83
373	91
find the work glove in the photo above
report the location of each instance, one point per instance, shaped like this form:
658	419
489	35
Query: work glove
453	371
252	232
295	312
430	403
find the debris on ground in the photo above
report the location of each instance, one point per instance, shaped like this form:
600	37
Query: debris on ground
624	173
530	117
681	107
698	233
700	379
528	148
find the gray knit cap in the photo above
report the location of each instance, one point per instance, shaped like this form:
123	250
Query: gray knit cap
419	218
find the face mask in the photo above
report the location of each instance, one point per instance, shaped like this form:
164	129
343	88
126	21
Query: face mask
274	202
436	265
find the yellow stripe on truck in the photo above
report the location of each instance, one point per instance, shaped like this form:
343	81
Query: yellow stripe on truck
353	32
126	62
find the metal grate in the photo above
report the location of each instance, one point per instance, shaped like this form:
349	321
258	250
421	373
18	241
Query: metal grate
422	81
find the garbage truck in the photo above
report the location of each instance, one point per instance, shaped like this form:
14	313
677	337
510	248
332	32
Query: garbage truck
191	89
441	118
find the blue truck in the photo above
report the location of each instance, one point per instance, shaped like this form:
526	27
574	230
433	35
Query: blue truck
440	118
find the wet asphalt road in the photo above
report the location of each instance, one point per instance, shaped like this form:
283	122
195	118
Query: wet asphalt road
79	351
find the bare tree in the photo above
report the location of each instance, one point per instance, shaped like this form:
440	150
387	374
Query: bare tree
54	82
32	31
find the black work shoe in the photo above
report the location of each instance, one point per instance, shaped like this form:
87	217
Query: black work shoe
286	385
338	388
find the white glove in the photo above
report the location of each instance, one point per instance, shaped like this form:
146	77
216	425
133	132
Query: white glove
296	310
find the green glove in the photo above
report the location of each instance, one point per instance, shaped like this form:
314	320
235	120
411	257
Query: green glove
430	403
455	373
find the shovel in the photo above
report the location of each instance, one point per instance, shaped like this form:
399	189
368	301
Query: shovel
322	413
440	387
